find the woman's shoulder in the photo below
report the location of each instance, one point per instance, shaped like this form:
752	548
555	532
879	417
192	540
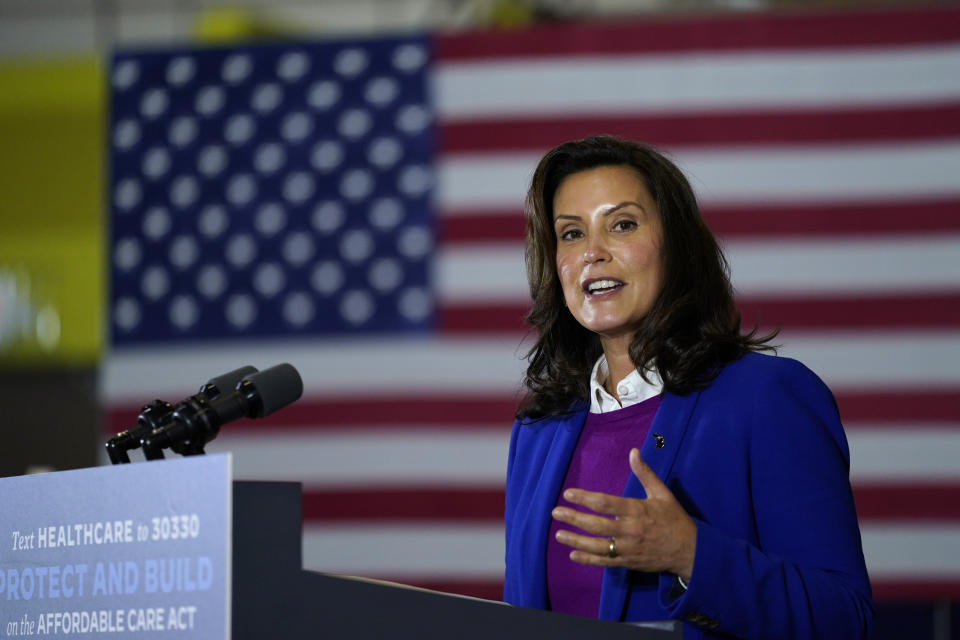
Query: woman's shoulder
765	371
774	399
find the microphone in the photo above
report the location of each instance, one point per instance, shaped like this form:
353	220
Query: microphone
197	420
158	413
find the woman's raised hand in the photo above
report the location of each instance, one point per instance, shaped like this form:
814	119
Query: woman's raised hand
652	534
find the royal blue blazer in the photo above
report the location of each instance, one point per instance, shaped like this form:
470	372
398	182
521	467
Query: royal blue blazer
760	461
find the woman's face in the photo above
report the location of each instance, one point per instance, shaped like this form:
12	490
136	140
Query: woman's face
608	249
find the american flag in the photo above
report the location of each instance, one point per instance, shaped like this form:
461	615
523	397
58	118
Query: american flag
355	208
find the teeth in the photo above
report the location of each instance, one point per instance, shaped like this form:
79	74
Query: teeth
602	284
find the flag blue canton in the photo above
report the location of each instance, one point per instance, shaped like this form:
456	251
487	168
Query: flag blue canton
271	190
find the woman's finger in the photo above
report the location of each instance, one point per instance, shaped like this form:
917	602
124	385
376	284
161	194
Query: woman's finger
599	502
651	483
590	544
597	525
597	560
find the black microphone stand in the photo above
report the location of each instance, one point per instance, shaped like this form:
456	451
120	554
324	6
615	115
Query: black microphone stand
159	413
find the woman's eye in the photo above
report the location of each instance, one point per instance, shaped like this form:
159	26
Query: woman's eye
624	225
570	234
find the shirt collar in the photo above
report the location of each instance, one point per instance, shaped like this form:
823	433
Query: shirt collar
632	390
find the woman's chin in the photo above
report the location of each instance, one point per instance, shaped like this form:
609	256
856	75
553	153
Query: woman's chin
614	331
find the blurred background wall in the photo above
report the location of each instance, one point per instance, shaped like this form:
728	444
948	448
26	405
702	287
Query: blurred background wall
61	381
49	27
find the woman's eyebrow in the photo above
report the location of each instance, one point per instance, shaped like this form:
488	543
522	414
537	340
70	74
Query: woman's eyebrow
621	205
613	209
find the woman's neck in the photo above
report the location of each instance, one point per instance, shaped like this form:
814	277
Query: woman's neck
619	364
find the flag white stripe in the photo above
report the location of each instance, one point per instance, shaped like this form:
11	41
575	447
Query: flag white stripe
487	181
781	268
894	360
912	551
862	265
361	456
438	550
828	173
904	453
477	273
693	82
342	368
362	367
476	551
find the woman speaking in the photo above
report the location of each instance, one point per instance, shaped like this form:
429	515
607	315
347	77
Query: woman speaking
661	467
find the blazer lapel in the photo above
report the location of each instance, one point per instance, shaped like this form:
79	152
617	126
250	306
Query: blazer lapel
668	428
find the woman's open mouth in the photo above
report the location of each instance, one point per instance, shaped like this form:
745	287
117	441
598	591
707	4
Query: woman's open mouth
601	286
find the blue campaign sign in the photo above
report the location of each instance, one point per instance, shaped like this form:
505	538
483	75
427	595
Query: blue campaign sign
134	550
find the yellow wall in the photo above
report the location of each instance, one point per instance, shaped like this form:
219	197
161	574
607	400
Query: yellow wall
52	222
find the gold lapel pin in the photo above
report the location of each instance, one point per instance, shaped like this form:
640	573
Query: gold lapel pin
659	438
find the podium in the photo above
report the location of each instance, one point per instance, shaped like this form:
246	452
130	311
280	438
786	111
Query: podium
229	566
270	584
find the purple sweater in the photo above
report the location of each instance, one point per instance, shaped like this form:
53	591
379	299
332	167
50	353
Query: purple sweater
599	463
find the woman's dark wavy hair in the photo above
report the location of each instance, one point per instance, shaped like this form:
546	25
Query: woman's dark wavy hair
693	326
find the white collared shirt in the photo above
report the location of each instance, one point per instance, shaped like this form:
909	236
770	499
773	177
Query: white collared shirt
632	389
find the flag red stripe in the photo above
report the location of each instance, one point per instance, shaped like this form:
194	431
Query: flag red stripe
728	222
420	503
495	412
755	128
483	318
915	503
442	412
476	226
811	219
714	32
907	310
893	590
854	312
446	412
907	406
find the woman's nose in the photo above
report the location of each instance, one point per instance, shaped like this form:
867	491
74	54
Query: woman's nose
595	251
